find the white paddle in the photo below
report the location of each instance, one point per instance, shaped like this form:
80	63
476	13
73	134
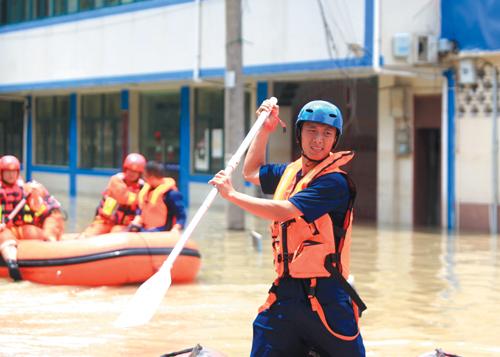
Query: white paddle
148	297
13	214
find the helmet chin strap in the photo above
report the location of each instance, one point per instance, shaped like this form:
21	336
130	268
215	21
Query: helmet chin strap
312	160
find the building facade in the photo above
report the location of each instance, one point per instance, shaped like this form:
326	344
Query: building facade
84	82
472	90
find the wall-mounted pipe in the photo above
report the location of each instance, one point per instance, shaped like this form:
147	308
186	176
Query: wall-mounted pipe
197	41
494	166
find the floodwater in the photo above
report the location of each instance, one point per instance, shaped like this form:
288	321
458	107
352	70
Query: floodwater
424	290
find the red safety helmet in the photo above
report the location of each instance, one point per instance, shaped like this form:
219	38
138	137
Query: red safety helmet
9	162
134	162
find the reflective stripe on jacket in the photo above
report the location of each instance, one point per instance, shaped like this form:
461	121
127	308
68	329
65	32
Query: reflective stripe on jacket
120	200
10	196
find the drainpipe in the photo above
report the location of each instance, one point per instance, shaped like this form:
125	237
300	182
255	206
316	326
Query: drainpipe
27	137
376	35
451	219
377	69
197	42
494	166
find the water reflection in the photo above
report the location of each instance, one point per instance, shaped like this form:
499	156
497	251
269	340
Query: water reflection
423	290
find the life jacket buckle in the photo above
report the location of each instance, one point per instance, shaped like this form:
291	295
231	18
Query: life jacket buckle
311	292
284	257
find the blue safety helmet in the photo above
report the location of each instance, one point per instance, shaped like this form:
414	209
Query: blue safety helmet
319	111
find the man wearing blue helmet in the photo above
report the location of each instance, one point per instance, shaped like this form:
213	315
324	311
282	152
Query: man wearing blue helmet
310	306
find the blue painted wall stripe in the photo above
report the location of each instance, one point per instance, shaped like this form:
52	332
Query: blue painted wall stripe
268	69
451	224
262	92
185	144
367	59
124	100
73	143
124	107
29	139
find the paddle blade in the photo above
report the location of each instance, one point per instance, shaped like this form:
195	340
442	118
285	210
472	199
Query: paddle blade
143	305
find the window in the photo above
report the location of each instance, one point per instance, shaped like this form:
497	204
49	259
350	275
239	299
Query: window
72	6
102	131
11	128
60	7
111	2
15	11
208	145
86	5
3	12
160	126
18	11
52	130
41	9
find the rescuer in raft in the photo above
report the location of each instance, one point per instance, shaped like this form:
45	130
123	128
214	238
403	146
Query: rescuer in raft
161	207
311	306
45	211
119	202
27	211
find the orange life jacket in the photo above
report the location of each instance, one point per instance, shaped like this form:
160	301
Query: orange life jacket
120	200
306	250
40	203
154	210
10	196
317	249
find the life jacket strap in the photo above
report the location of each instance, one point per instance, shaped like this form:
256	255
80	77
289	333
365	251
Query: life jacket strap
271	298
353	294
316	307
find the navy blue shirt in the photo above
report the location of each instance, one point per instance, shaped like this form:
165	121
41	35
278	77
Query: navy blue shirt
326	194
173	200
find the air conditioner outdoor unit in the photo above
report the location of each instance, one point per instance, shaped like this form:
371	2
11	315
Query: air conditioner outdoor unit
424	49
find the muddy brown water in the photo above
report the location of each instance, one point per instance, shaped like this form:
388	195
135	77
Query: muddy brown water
424	290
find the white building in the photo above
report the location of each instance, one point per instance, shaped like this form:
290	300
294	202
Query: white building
86	83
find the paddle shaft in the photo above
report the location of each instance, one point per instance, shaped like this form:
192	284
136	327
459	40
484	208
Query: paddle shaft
232	164
14	212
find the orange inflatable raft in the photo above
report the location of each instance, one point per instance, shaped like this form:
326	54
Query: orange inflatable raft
108	259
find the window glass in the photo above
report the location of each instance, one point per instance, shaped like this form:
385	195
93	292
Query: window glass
208	144
72	6
99	4
3	12
60	7
41	9
102	131
86	5
111	2
15	11
11	128
18	11
52	130
160	126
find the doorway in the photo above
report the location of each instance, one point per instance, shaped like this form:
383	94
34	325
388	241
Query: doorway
427	162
